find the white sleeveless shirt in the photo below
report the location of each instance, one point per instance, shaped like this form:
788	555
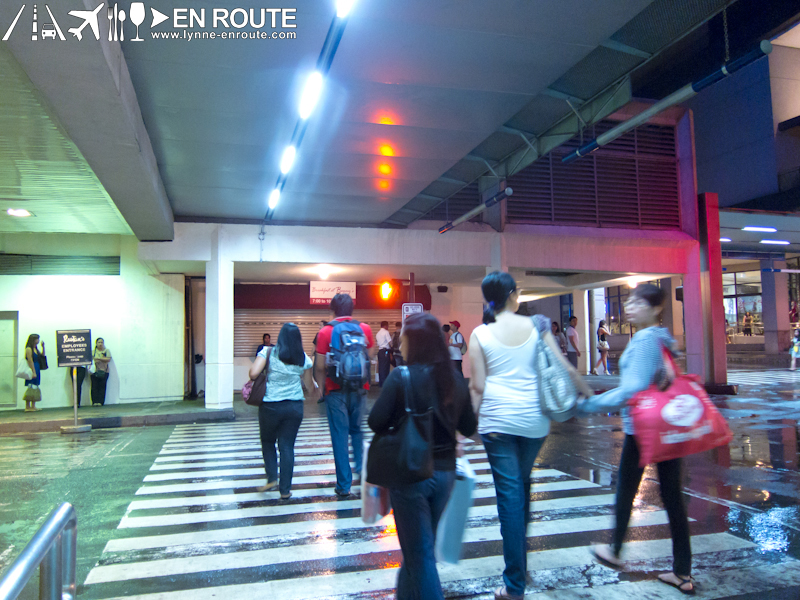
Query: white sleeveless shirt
510	397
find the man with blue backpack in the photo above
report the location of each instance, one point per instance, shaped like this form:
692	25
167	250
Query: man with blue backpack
342	370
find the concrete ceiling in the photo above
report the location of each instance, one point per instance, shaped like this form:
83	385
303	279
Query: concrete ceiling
195	129
732	222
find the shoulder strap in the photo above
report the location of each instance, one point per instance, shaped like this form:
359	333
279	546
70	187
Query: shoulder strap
541	323
406	386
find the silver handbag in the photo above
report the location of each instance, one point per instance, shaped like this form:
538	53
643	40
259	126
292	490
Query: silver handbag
560	385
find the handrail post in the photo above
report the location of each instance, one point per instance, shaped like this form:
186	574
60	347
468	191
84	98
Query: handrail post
69	555
51	577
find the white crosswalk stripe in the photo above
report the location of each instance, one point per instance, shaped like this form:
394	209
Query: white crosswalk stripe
199	530
761	378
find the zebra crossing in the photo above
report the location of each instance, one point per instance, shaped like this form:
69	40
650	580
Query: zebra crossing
198	529
760	378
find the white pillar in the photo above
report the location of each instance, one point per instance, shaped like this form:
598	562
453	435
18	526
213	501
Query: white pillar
580	309
693	315
598	314
219	327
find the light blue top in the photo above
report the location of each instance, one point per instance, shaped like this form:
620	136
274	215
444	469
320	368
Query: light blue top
284	380
640	366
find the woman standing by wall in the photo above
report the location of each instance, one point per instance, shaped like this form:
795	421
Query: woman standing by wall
641	365
560	337
747	323
504	388
418	506
35	360
101	357
281	412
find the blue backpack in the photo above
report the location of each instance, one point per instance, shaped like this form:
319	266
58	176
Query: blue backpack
347	362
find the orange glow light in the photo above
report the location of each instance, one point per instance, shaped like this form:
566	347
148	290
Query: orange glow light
384	184
384	169
386	290
386	120
386	150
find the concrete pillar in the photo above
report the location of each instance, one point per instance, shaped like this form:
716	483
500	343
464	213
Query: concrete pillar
693	315
716	354
219	327
499	257
580	309
672	316
775	307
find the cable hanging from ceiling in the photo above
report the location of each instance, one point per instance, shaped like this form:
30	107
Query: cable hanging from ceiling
312	91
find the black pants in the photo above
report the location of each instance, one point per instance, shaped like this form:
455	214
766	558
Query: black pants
80	375
279	421
669	477
458	365
99	383
383	366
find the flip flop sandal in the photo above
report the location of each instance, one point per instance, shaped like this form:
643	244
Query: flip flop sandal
605	558
679	586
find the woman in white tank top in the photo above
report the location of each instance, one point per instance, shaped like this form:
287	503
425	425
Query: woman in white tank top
504	393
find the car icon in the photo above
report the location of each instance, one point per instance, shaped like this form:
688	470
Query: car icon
48	31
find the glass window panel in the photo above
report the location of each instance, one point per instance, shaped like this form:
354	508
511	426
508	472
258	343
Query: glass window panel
748	289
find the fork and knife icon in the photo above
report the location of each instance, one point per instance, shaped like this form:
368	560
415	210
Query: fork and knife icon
115	19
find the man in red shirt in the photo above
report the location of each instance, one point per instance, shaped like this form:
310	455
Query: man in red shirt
344	407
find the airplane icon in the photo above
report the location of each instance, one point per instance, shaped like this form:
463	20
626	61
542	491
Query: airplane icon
89	18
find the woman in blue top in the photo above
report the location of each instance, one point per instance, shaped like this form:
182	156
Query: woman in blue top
641	365
33	357
281	413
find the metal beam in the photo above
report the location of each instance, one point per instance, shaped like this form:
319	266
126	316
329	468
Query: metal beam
620	47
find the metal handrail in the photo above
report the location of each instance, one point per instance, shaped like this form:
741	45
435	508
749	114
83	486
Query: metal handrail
53	548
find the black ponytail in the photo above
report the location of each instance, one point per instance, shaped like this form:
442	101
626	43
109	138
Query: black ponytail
496	287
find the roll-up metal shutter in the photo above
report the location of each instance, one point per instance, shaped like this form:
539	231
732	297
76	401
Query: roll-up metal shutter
250	325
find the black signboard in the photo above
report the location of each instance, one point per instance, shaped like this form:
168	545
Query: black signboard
74	348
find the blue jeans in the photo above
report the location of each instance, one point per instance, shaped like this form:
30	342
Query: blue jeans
417	508
511	458
344	417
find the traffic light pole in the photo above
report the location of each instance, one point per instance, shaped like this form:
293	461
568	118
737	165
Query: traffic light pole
411	289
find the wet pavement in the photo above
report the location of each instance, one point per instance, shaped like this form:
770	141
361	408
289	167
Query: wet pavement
172	513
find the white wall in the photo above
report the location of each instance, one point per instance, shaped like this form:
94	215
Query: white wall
462	303
784	74
140	316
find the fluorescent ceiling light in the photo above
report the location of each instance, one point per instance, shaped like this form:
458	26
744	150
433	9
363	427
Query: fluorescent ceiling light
274	196
343	8
287	160
778	242
529	297
311	94
724	239
18	212
761	229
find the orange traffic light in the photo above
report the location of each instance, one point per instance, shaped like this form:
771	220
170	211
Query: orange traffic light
386	290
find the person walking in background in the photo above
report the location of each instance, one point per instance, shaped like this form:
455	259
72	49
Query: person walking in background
34	359
602	347
642	365
281	412
266	342
344	406
397	356
504	387
573	342
747	323
418	506
794	316
560	337
321	397
101	357
794	350
455	345
384	341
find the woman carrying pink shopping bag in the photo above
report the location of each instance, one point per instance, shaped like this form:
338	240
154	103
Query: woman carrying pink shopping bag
643	365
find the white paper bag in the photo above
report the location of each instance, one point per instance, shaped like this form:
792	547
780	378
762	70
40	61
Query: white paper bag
374	499
450	531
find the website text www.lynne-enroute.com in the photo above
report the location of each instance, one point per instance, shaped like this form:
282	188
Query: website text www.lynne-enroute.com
223	35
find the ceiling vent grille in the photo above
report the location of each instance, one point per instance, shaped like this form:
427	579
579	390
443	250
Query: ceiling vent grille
632	183
30	264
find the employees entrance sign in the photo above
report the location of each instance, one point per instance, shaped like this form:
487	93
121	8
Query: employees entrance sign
322	292
74	347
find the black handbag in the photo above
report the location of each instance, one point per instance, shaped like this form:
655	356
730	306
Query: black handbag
403	454
42	362
259	389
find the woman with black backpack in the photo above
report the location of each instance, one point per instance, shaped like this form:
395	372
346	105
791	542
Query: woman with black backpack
435	385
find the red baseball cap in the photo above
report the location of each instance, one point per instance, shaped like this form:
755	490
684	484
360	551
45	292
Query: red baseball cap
456	323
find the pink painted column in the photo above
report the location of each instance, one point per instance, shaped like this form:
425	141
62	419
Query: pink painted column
715	355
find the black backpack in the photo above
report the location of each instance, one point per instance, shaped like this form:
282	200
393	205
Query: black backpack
347	362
